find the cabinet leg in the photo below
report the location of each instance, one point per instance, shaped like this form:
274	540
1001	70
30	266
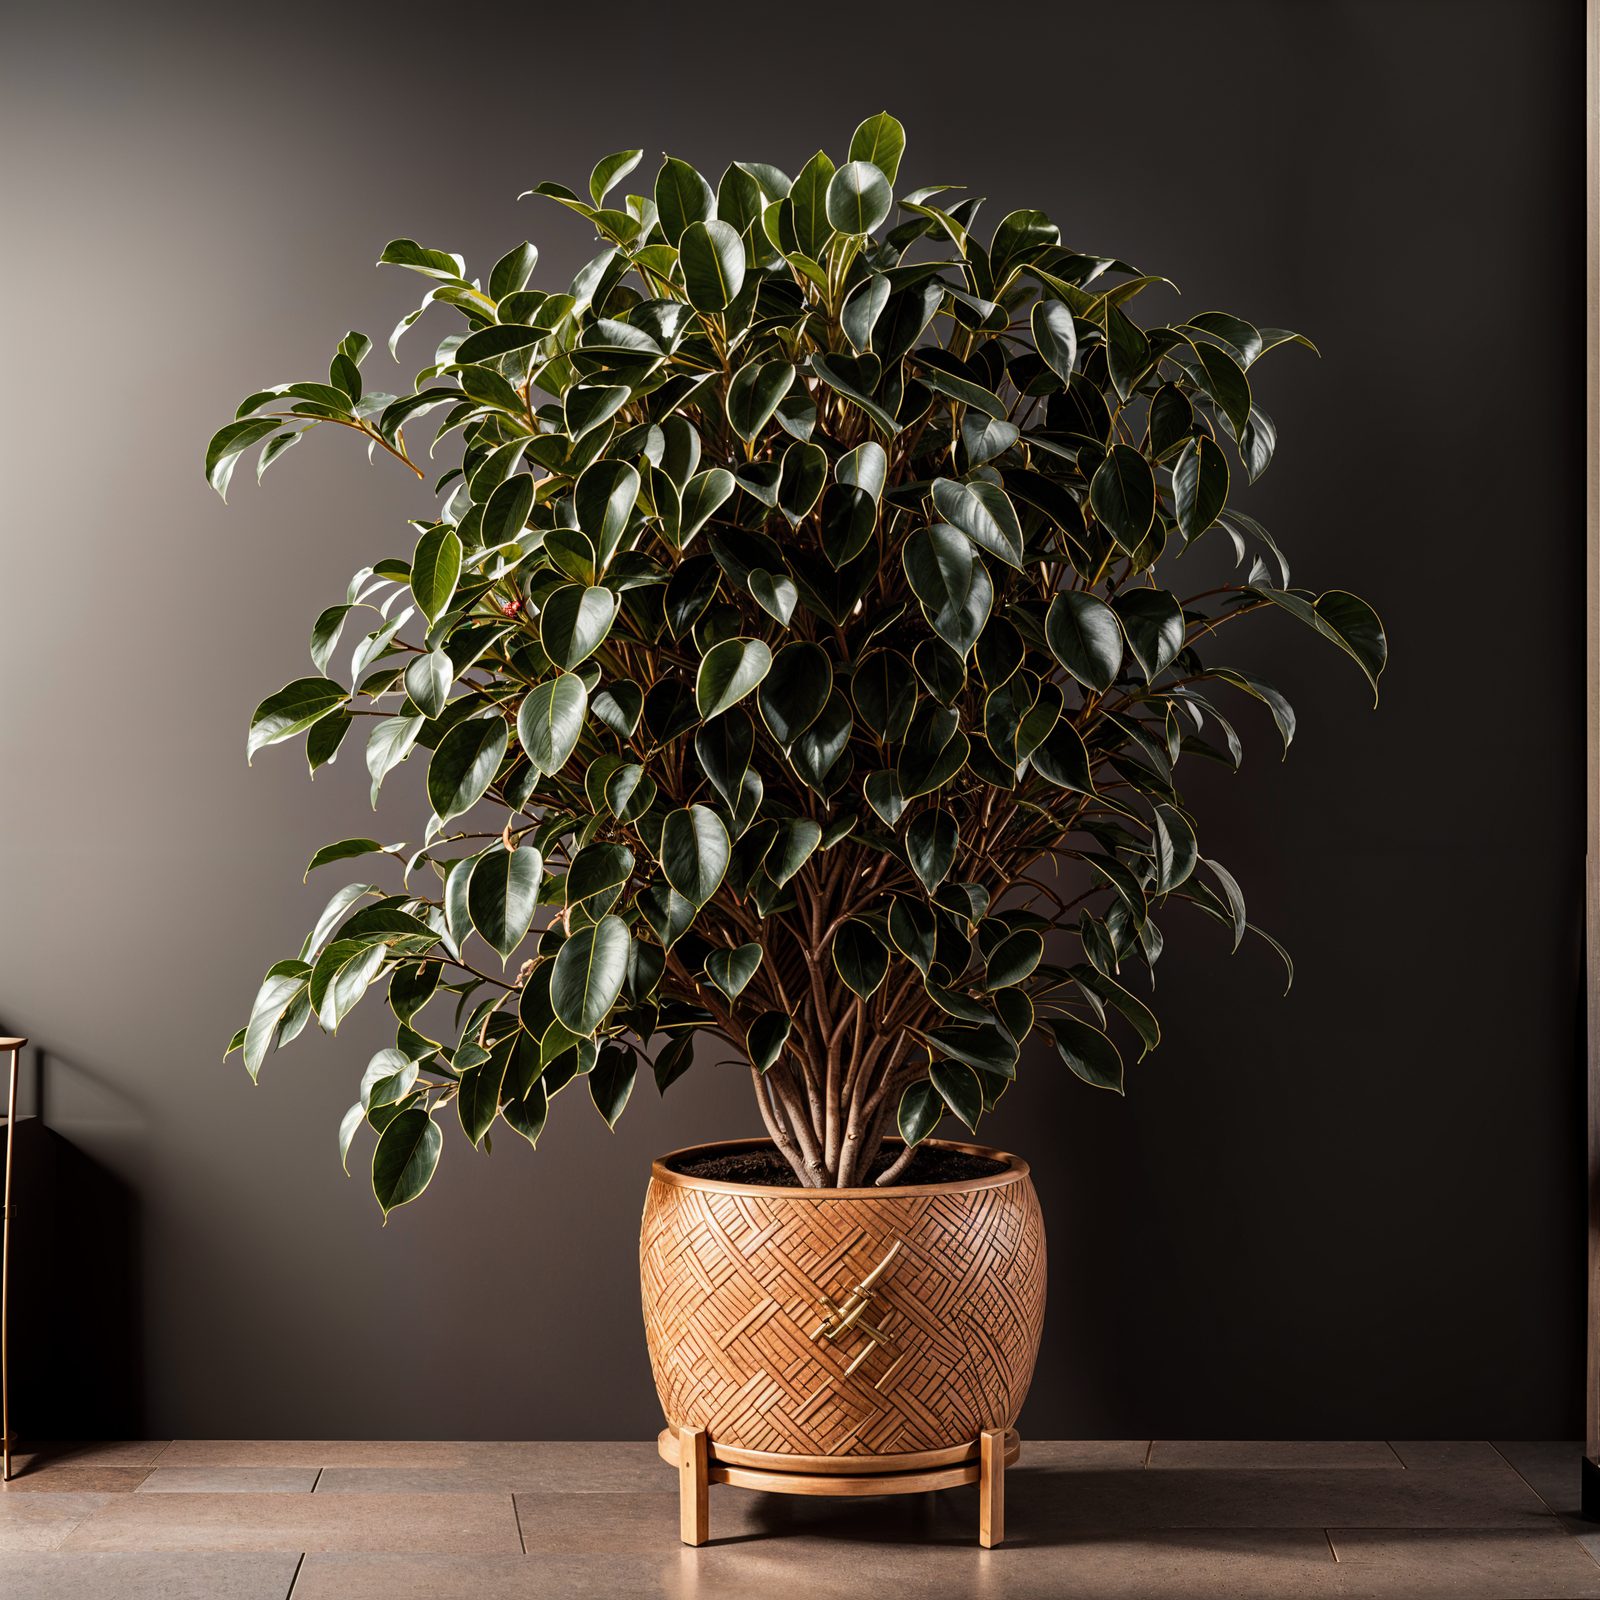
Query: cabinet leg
694	1486
992	1487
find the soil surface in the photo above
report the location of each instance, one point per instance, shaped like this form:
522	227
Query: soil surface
763	1165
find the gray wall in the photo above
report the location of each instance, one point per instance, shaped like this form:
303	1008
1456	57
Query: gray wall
1356	1211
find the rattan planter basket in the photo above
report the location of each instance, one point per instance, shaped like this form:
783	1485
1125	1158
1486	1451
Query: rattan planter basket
842	1331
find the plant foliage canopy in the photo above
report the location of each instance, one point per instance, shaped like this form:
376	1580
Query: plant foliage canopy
790	631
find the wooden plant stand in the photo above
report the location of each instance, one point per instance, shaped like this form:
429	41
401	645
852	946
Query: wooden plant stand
983	1462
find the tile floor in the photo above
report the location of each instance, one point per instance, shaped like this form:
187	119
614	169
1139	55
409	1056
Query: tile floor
213	1519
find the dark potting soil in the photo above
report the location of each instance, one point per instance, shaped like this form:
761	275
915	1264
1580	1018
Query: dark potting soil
763	1165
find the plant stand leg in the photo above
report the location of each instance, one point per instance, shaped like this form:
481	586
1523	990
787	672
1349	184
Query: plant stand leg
992	1487
694	1486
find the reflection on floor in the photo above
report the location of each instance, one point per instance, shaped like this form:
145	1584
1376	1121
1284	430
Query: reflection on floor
266	1520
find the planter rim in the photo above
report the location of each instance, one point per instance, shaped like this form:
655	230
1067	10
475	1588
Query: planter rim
1016	1172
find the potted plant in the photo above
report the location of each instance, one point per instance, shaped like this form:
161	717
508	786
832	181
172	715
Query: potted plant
791	630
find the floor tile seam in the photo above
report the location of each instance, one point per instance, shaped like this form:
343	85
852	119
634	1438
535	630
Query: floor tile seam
1512	1464
1389	1446
517	1517
295	1576
162	1451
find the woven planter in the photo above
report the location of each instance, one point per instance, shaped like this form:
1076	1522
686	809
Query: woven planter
743	1284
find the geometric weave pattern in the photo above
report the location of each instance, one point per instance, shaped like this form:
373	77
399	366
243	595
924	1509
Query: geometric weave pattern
734	1280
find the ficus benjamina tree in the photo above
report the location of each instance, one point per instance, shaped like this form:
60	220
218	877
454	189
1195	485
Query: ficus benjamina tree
790	630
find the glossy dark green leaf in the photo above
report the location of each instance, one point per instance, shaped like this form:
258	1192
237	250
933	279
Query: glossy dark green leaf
1175	849
958	1086
862	310
753	396
961	390
849	519
1348	621
942	671
435	568
574	622
884	795
984	514
702	495
860	959
550	721
344	850
1136	1012
953	586
1055	336
776	596
856	378
406	1158
921	1108
1088	1052
325	635
795	690
478	1098
1199	486
732	970
1085	638
464	765
983	439
885	693
596	878
1152	622
913	930
1061	759
882	141
815	752
609	172
723	748
229	443
796	842
694	853
682	197
1171	419
728	672
502	895
603	500
428	680
712	257
611	1081
804	475
587	975
809	197
1013	959
1123	495
586	406
412	987
292	710
1223	379
766	1037
1282	711
689	591
931	842
857	199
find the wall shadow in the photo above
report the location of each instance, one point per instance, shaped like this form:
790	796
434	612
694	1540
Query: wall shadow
76	1344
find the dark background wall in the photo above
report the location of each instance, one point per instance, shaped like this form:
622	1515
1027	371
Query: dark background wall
1356	1211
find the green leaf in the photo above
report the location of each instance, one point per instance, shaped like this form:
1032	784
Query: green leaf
345	849
1200	486
776	596
431	263
550	721
390	743
728	672
673	1061
800	485
959	389
861	312
856	379
435	569
1055	336
723	749
1084	637
1013	959
732	970
611	1081
959	1088
1135	1011
1061	759
885	694
1222	378
809	196
882	141
428	679
292	710
1175	848
406	1158
1088	1052
464	765
712	257
278	992
984	514
325	635
694	853
702	495
512	271
931	842
753	397
586	406
231	442
1350	622
913	931
502	895
1123	495
989	1047
954	587
682	197
795	690
860	959
798	838
766	1037
611	171
1152	621
574	622
857	199
412	986
921	1109
587	975
478	1098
